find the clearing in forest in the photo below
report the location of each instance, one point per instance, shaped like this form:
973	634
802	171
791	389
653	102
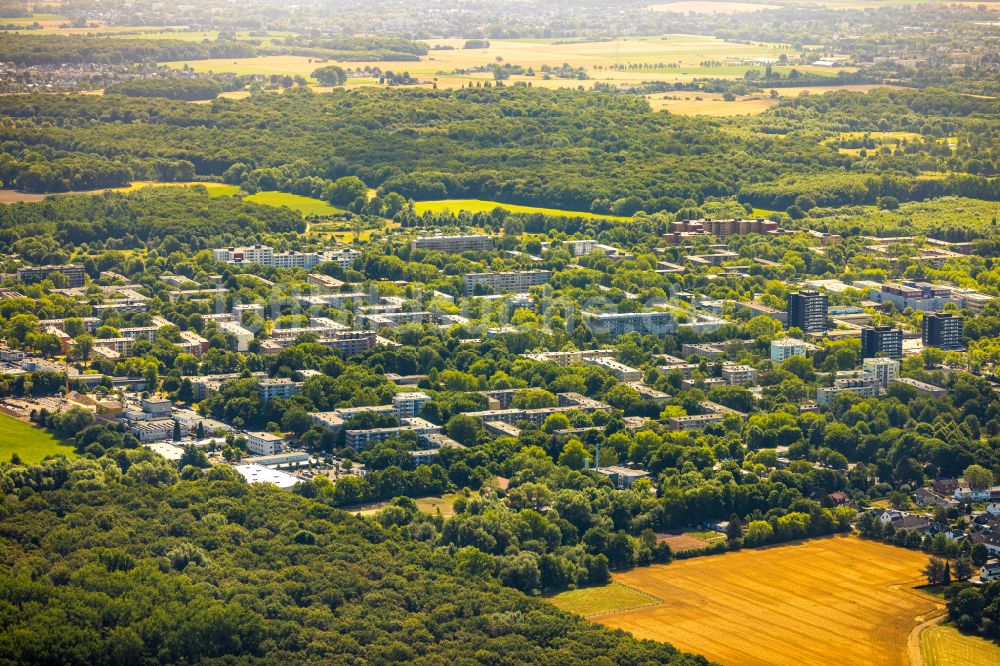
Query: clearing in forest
837	599
31	444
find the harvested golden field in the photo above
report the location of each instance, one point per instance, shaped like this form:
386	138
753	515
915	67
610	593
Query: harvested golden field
709	104
944	645
821	601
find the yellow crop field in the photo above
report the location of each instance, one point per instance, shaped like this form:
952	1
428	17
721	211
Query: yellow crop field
480	206
944	645
834	600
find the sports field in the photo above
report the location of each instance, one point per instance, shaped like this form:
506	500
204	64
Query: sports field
30	443
480	206
944	645
834	600
304	205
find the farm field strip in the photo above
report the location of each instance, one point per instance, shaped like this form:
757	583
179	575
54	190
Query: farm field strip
479	206
836	599
944	645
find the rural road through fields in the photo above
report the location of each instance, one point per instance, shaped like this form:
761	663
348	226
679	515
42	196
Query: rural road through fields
913	640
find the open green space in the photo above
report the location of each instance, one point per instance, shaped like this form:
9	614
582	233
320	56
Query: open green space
611	598
304	205
480	206
944	645
31	444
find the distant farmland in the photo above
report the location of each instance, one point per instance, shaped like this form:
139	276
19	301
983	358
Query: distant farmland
478	206
836	600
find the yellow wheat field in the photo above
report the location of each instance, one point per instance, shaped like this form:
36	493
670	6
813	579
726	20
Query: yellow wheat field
836	600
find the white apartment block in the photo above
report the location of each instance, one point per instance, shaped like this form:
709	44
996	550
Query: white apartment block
506	282
264	443
739	375
623	372
242	335
266	256
786	348
885	370
409	405
453	244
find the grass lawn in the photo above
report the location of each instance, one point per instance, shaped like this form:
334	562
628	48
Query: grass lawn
708	536
30	443
480	206
424	504
304	205
588	601
944	645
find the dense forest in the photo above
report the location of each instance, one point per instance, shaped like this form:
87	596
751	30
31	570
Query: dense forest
142	567
57	49
591	152
171	88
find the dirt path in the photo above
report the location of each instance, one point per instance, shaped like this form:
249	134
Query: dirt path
913	640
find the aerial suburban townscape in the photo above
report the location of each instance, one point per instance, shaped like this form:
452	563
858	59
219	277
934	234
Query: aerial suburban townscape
500	332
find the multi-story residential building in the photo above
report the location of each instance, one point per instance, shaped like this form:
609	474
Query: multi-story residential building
807	310
695	421
942	330
122	305
738	375
916	295
620	370
139	332
75	276
564	358
328	420
266	256
786	348
864	384
156	407
409	404
90	324
192	343
264	443
268	389
881	341
392	319
152	431
761	310
242	335
505	282
204	385
620	323
359	440
121	346
579	248
924	387
453	244
885	370
347	342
